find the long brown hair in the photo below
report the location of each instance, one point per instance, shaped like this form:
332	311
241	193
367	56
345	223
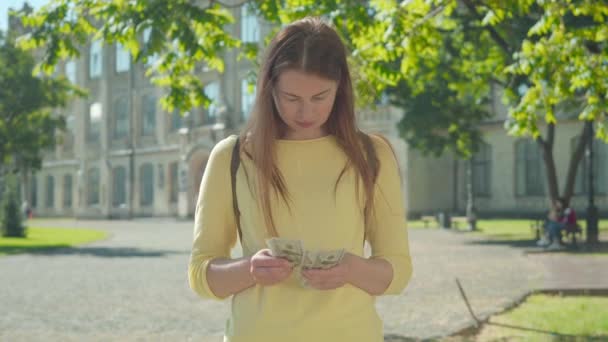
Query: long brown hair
312	46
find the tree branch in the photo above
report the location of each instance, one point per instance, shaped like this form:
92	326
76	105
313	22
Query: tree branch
223	4
495	35
541	142
428	16
499	82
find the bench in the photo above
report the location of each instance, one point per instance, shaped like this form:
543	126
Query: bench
537	228
570	231
459	219
427	219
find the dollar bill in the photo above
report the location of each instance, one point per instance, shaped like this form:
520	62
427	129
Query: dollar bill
291	250
329	259
309	260
294	251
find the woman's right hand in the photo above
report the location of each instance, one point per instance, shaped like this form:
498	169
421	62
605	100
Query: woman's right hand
268	270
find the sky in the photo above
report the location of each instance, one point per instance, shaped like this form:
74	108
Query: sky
15	4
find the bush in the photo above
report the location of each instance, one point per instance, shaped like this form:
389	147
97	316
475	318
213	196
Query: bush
11	224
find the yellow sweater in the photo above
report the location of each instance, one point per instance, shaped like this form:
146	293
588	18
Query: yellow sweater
323	220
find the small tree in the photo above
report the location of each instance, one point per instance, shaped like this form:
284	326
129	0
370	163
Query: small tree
11	220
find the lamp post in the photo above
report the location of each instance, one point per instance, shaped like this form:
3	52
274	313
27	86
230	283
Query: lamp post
592	229
471	216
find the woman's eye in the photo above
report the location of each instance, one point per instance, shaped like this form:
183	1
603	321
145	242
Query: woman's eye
292	99
318	98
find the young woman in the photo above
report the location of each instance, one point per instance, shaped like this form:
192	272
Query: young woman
304	175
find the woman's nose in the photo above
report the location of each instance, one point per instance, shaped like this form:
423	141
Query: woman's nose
305	109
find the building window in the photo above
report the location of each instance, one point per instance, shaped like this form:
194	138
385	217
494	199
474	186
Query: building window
482	170
123	58
119	186
67	191
94	124
154	57
93	186
530	169
247	98
95	59
176	120
173	179
212	90
70	71
149	115
250	28
50	192
600	168
146	185
121	118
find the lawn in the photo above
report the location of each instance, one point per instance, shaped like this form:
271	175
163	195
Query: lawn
550	318
44	238
505	229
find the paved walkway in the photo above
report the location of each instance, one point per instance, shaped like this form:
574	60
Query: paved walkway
133	286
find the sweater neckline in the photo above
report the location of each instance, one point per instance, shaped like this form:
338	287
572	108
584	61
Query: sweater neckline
328	137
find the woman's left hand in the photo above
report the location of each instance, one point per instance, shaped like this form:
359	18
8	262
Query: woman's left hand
331	278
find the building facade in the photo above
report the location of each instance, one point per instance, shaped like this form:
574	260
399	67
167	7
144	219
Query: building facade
124	156
509	176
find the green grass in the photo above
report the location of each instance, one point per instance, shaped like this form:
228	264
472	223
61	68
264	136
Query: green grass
420	224
514	230
550	318
504	229
44	238
518	229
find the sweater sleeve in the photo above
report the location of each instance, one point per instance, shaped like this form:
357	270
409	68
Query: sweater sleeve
387	234
215	231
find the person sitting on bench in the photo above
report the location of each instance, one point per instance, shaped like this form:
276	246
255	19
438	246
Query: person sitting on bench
555	222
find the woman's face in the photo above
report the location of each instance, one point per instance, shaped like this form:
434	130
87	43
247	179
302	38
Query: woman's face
304	102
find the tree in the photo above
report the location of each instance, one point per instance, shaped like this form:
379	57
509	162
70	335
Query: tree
27	126
10	214
547	56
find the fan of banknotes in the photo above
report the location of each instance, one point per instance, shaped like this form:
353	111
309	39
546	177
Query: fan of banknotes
293	250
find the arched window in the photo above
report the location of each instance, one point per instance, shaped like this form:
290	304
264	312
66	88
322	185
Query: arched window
482	170
67	191
146	184
50	191
119	186
121	118
93	186
529	169
250	28
95	59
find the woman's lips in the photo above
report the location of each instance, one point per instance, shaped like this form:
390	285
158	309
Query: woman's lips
304	124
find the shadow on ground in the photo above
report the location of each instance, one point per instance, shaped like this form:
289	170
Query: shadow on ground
398	338
529	246
103	252
470	334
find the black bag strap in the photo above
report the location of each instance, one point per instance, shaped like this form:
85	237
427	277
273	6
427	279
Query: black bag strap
234	167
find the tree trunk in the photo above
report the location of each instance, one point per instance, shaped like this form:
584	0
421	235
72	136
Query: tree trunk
575	161
547	152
